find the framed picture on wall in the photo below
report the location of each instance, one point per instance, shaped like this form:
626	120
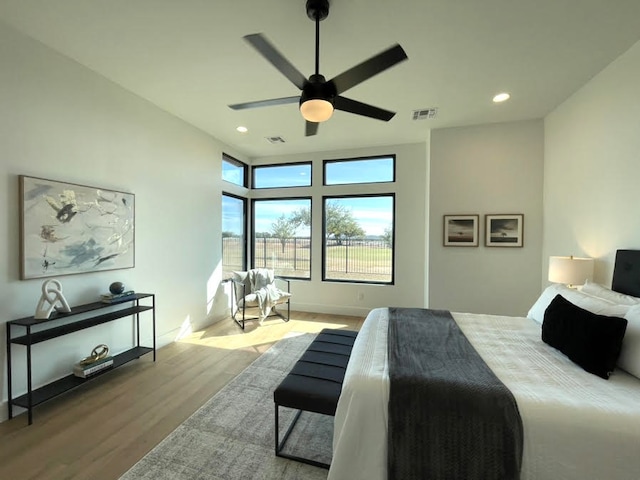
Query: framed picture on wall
67	228
461	230
504	230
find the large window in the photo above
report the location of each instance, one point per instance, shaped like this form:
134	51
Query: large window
282	236
234	171
234	237
285	175
358	238
360	170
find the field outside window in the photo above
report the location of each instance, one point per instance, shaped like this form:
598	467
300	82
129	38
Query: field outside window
282	239
358	238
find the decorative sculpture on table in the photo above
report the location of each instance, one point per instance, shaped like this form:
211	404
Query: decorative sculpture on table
51	299
98	353
97	362
116	288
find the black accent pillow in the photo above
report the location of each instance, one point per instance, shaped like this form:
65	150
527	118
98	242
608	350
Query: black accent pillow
590	340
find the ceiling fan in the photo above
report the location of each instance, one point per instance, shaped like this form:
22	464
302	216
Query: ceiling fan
320	97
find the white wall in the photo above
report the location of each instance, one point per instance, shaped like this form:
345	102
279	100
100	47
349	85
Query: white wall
488	169
61	121
410	236
592	168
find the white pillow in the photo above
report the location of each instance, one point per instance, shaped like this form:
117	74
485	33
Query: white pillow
629	359
605	293
581	299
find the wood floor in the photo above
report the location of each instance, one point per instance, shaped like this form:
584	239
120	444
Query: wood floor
97	432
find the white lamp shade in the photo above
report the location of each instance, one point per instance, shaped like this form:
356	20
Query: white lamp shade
316	110
570	270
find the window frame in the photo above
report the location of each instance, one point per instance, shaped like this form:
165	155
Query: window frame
279	165
238	163
325	198
245	226
253	232
356	159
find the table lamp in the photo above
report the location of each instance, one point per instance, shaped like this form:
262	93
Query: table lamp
570	270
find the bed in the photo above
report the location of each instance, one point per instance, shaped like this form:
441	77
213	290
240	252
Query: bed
576	425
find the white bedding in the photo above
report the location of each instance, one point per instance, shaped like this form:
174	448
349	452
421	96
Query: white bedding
577	426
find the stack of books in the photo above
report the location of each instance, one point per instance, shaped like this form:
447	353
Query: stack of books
118	297
89	369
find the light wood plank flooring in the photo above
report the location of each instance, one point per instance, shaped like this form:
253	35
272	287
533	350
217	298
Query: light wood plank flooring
97	432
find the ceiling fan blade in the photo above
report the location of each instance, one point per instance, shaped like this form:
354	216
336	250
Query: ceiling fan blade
364	109
311	129
367	69
265	103
273	56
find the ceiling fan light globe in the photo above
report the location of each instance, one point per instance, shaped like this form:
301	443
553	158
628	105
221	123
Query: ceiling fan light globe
316	110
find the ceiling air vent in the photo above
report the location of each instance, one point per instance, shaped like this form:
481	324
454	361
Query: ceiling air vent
425	113
275	139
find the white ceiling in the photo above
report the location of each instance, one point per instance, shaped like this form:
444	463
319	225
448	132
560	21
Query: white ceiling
188	58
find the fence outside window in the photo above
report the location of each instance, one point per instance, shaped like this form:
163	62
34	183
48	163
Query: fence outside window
358	260
289	258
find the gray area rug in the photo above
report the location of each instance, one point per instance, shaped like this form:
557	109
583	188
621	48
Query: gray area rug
232	435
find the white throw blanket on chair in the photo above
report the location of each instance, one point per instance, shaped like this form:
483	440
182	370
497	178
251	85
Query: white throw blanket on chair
268	295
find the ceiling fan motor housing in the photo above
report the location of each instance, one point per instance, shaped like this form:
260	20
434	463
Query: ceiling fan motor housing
318	88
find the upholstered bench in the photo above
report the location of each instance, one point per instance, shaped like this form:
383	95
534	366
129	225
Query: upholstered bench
314	383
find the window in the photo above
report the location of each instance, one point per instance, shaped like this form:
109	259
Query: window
234	238
360	170
358	238
234	171
286	175
282	236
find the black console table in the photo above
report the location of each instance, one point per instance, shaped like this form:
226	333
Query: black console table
36	331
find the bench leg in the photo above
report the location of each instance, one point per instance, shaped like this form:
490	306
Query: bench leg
280	444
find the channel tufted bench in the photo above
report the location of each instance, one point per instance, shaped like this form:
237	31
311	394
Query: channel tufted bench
315	382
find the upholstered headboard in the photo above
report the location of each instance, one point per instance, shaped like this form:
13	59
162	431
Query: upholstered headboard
626	272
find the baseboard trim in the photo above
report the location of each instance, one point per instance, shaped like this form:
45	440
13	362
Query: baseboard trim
331	309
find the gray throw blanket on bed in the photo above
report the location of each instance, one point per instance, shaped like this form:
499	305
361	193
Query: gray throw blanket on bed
450	417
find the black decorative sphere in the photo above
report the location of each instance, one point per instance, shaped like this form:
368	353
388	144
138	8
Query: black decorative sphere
116	288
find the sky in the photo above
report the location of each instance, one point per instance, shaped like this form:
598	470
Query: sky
374	214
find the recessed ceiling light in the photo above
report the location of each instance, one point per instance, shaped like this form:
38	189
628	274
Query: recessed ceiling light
242	129
501	97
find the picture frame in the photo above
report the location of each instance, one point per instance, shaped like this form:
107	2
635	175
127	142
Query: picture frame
461	230
504	230
67	228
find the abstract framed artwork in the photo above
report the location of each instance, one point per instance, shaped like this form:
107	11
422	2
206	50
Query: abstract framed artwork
461	230
504	230
67	228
